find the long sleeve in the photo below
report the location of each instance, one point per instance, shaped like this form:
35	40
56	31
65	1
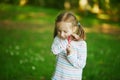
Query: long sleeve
78	60
57	46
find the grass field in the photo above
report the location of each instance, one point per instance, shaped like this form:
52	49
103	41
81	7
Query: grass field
26	34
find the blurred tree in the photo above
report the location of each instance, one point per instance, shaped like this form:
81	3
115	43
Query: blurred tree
16	2
109	7
23	2
114	9
83	5
55	3
67	5
71	4
36	2
74	3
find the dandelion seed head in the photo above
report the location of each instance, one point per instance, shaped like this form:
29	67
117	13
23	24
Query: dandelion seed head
21	61
17	53
17	47
11	53
33	67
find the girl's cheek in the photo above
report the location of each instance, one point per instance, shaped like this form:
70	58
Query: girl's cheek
67	35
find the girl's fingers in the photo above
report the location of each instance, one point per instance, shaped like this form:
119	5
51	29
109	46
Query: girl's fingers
76	36
68	45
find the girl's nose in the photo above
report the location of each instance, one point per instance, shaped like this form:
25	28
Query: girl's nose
62	34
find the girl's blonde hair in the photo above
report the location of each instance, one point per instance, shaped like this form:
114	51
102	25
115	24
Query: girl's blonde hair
71	18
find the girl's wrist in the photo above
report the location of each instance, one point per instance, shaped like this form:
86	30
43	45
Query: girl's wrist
68	53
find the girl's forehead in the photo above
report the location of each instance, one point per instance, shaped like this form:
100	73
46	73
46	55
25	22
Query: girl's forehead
64	24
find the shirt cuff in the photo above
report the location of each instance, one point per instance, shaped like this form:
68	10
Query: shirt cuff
72	55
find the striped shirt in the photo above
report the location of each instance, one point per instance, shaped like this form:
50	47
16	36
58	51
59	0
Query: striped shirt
69	67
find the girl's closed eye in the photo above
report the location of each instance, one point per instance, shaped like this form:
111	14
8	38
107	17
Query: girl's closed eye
59	31
65	31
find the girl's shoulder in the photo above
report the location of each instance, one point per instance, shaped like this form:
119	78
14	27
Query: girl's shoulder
82	41
79	43
56	38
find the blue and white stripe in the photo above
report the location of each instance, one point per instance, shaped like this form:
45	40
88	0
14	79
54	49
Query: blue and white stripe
69	67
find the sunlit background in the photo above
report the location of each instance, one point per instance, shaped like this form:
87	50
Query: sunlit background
26	35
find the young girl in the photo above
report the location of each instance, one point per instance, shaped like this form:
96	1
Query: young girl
70	48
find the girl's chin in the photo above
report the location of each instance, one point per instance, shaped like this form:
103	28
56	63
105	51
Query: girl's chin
62	38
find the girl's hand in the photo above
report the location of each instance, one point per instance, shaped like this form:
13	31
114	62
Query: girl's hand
69	49
75	36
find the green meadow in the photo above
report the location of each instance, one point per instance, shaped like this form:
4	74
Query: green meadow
26	35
